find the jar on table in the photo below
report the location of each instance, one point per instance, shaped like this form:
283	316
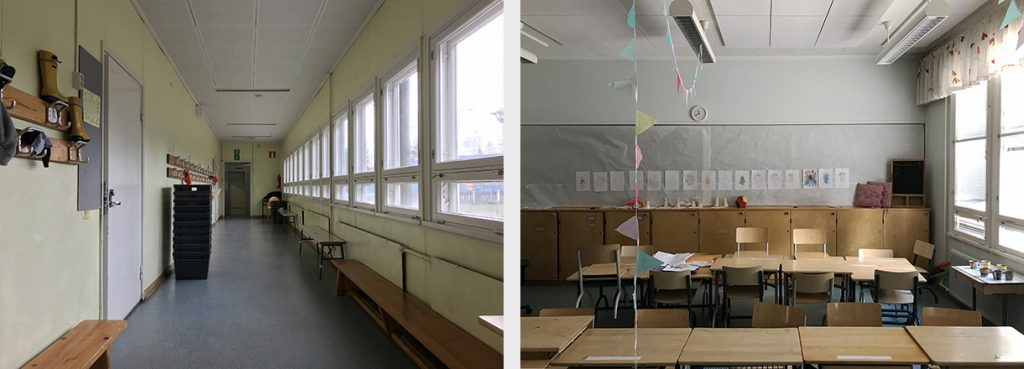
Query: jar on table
984	271
972	263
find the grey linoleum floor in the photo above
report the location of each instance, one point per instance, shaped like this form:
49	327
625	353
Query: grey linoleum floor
262	307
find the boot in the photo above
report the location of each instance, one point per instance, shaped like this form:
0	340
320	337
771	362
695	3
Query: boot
48	90
77	123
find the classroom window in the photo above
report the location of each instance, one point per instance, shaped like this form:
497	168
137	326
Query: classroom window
363	139
341	145
403	195
365	193
341	191
970	160
315	157
476	199
1011	155
401	119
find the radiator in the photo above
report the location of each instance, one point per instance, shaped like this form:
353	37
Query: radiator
990	306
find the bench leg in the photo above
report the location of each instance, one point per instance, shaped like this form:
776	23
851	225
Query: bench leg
341	288
320	252
103	362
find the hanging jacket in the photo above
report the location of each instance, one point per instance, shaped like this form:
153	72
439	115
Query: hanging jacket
8	138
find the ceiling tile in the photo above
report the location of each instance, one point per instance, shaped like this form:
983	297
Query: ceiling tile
226	35
231	54
295	12
745	31
281	54
224	12
233	75
741	7
268	35
848	8
846	31
277	75
800	7
794	31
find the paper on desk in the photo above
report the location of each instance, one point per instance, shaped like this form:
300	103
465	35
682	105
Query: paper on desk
672	260
686	268
699	263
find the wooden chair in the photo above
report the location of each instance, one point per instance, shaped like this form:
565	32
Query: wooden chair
897	288
811	288
672	288
741	283
923	254
600	254
874	253
936	316
853	314
812	237
628	252
751	235
663	318
768	315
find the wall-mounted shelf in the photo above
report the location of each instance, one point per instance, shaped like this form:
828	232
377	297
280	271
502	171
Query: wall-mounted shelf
196	177
32	109
194	168
63	151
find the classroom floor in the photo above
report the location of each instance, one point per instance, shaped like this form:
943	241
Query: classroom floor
564	295
262	307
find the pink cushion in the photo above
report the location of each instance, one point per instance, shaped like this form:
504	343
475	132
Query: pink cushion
868	195
886	193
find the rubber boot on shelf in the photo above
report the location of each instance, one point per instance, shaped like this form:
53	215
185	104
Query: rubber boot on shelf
77	132
48	90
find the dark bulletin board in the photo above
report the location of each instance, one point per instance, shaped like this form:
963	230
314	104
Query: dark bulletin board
90	175
907	176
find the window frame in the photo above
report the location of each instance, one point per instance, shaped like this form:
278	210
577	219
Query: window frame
405	65
355	179
981	216
338	178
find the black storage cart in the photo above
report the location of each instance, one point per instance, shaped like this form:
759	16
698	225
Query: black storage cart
191	231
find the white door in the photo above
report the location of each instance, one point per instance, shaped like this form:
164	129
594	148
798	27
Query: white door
123	128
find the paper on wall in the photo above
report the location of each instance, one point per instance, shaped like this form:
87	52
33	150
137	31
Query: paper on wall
600	181
842	177
793	179
671	180
617	181
708	180
636	180
691	180
758	180
774	179
582	181
826	178
742	180
810	178
654	180
725	180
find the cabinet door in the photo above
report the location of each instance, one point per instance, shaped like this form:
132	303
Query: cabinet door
718	230
903	227
613	219
576	229
818	219
539	239
674	230
777	222
858	229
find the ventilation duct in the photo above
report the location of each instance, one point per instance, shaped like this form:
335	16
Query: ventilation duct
693	29
924	19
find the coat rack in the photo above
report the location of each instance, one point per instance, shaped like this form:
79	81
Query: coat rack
32	109
63	151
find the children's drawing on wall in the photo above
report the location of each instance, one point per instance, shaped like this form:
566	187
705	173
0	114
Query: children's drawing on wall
671	180
793	179
827	177
600	181
691	180
742	179
842	177
583	181
708	180
810	178
654	180
725	180
617	181
775	179
636	180
758	180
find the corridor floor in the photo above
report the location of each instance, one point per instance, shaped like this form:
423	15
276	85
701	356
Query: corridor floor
262	307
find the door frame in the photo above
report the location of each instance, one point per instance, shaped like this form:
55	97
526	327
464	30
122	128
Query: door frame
248	185
110	57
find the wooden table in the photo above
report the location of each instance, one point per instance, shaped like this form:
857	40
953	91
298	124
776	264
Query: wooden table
864	269
860	346
607	270
742	346
550	335
979	347
658	347
989	286
495	323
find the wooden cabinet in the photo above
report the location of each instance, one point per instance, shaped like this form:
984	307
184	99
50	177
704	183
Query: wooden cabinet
718	230
818	219
858	229
614	218
539	238
777	222
901	228
675	230
576	229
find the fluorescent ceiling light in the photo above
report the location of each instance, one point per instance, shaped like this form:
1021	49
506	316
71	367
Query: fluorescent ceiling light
527	57
693	29
924	19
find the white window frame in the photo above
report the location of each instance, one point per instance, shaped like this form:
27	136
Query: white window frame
355	179
407	64
447	218
339	178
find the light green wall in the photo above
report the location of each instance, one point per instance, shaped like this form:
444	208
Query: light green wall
461	276
50	256
264	170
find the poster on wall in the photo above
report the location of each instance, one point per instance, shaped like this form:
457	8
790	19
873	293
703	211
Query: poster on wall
691	180
725	180
842	177
654	180
810	178
826	178
708	180
758	180
742	179
636	180
600	181
774	179
582	181
793	179
617	181
671	180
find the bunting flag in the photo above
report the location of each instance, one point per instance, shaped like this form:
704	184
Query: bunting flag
643	122
631	17
639	158
1020	38
629	51
630	228
1012	13
646	262
668	36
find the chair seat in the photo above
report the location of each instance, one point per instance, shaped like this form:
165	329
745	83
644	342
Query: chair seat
671	297
895	297
813	298
921	270
744	292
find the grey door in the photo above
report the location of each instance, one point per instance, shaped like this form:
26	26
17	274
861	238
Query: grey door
238	194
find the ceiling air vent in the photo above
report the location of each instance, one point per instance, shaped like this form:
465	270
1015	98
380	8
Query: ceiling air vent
693	29
924	19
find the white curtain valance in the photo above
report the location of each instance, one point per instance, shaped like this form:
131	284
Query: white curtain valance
970	57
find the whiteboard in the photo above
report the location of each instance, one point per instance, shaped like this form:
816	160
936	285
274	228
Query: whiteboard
552	154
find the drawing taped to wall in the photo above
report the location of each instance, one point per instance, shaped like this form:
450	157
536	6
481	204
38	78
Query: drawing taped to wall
708	180
758	180
742	180
691	180
793	179
810	178
582	181
827	178
636	180
842	178
654	180
774	179
617	181
600	181
725	180
671	180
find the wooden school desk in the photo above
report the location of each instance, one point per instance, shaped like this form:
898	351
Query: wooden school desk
837	265
656	347
495	323
543	337
860	346
742	347
989	286
976	347
768	263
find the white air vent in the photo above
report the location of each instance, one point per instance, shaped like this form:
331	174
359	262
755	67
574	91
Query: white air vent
922	21
693	29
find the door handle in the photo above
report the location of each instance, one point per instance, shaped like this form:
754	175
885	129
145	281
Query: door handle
110	199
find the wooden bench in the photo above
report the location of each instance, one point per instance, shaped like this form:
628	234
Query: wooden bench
83	347
322	239
427	337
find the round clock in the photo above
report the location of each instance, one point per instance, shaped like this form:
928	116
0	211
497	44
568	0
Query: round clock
698	113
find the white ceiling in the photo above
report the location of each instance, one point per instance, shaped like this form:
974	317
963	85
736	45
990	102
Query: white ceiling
255	45
597	29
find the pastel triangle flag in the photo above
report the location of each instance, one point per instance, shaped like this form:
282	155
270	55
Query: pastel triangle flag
629	52
679	82
639	158
631	17
668	36
630	228
646	262
1020	38
1012	12
643	122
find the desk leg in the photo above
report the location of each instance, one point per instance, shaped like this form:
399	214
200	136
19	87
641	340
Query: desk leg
103	362
1006	307
320	255
974	298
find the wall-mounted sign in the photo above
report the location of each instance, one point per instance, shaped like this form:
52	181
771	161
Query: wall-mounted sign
238	154
272	154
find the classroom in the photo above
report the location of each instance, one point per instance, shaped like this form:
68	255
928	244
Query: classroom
771	183
251	183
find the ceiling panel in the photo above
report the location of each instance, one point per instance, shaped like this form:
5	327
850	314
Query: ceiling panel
745	31
224	12
847	31
218	35
230	54
740	7
846	8
800	7
294	12
282	35
578	7
795	31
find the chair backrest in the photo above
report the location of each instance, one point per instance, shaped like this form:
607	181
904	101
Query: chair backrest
809	236
767	315
853	314
742	276
752	235
631	250
809	255
664	281
891	281
950	317
750	253
566	312
663	318
598	254
813	282
874	253
923	254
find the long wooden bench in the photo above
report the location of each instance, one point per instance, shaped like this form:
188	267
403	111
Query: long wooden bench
427	337
83	347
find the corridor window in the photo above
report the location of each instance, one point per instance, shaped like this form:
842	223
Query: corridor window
403	194
477	199
365	193
1011	155
341	145
363	137
315	157
970	160
401	119
325	152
